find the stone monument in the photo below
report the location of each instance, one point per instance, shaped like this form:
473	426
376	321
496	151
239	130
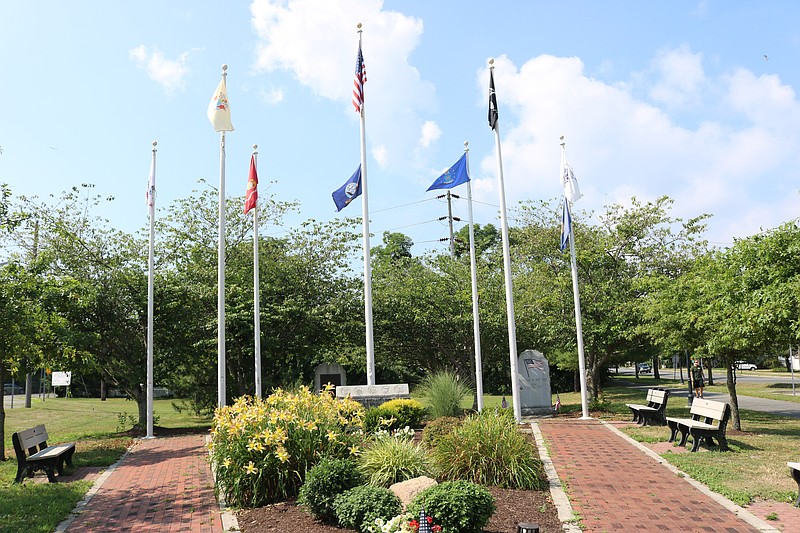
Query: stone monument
534	384
332	373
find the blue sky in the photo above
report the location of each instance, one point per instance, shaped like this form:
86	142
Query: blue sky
693	99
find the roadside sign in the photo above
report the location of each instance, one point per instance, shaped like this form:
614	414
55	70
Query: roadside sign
62	379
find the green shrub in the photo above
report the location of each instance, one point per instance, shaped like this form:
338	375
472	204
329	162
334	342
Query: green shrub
358	507
444	392
377	419
489	449
408	412
460	506
326	480
261	449
390	459
438	428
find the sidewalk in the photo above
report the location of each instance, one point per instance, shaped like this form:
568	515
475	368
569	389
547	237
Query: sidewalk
615	484
160	485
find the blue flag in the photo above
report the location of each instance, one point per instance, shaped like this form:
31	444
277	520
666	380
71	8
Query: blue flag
349	191
455	175
566	224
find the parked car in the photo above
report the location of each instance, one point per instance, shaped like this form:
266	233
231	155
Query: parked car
645	367
8	388
741	365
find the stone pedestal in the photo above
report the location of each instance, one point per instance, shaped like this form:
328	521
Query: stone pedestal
534	383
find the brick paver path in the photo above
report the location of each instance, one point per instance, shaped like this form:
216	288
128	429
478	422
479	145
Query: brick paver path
614	486
163	485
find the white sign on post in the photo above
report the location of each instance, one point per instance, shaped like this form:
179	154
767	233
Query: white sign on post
62	379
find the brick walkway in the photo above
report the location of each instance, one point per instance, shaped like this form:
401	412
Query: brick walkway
163	485
614	486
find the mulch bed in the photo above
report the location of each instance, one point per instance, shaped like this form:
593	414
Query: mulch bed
512	507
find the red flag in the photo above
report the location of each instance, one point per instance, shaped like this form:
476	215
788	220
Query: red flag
251	194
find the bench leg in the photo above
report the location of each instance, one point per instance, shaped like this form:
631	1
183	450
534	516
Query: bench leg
796	477
673	429
695	443
22	470
50	471
684	436
635	414
723	443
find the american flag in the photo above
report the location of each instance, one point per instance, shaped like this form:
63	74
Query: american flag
558	402
424	525
358	81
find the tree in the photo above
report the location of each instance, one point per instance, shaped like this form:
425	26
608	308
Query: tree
616	260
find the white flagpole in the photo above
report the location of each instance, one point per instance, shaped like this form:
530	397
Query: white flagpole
512	330
256	295
221	400
577	300
150	276
476	327
367	267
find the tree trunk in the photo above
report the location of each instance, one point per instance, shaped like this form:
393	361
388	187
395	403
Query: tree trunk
2	414
736	422
710	375
656	365
103	393
28	389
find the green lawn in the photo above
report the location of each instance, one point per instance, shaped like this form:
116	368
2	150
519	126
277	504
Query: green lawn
96	428
754	468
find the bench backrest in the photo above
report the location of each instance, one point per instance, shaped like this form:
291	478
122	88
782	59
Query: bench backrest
709	411
657	396
31	439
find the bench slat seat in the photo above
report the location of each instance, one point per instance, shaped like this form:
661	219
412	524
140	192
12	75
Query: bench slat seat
709	420
33	454
654	411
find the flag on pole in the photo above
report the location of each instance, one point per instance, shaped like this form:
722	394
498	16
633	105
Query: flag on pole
359	80
219	110
251	194
150	193
568	181
566	224
455	175
492	101
424	522
558	402
349	191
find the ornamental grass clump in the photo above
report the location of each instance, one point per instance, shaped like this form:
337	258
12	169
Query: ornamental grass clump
261	449
443	392
391	459
489	449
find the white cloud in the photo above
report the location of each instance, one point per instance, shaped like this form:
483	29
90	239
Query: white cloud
429	134
317	40
736	161
170	74
681	76
273	96
380	154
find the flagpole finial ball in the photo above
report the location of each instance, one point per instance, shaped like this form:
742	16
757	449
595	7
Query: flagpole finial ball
358	25
466	145
255	147
224	67
491	61
154	144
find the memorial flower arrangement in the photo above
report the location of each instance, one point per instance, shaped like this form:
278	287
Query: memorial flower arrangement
403	523
261	449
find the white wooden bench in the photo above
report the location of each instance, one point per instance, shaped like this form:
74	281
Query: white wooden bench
33	454
654	411
795	470
709	420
